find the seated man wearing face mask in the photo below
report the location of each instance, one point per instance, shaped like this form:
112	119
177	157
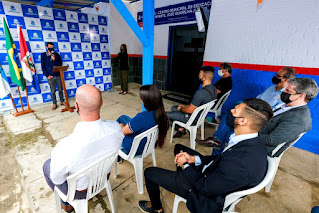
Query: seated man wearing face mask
206	180
224	84
270	95
292	118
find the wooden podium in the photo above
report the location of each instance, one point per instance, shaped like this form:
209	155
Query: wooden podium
62	69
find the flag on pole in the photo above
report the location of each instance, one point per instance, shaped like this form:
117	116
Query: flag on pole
259	2
4	84
15	71
27	62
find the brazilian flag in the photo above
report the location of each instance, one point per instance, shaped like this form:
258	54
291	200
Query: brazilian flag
15	71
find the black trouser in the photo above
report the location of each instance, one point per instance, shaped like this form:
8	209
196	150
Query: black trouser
173	181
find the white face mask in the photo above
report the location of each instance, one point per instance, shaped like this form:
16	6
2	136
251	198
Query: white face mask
220	73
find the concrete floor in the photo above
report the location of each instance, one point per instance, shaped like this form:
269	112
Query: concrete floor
26	142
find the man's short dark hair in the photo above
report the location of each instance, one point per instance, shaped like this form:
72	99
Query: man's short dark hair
208	69
259	112
290	72
307	86
49	43
227	66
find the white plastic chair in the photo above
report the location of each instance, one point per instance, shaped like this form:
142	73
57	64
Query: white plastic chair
217	109
232	199
277	159
151	136
96	175
200	123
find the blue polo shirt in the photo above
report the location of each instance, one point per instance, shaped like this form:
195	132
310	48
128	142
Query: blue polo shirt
271	96
140	123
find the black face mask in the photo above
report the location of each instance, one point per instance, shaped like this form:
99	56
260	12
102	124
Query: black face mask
230	119
285	97
275	80
51	50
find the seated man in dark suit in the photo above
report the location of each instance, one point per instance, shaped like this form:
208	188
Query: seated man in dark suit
292	118
206	180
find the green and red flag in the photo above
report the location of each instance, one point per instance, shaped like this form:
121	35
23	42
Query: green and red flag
15	72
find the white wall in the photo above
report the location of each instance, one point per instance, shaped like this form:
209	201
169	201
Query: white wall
121	33
284	32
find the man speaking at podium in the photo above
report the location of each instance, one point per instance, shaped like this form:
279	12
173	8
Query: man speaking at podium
49	59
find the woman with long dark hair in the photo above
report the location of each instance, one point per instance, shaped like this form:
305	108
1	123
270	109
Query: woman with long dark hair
122	60
155	114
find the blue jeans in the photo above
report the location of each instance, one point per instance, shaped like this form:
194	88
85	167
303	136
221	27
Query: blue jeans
222	134
224	131
315	209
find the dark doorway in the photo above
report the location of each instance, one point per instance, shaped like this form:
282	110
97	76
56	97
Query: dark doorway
185	57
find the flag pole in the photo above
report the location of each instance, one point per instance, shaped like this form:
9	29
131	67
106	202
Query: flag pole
26	90
13	103
20	98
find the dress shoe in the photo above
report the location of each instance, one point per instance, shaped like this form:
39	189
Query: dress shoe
179	134
146	206
210	142
54	106
67	208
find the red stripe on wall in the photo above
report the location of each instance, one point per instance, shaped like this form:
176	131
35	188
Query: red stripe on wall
269	68
140	55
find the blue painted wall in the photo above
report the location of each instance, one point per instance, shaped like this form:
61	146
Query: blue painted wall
250	83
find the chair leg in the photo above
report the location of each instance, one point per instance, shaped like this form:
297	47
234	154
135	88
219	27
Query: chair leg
172	133
80	206
176	202
58	202
138	167
268	186
193	132
110	195
115	168
154	158
202	128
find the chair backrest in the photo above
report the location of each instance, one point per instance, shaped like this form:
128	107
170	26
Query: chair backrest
279	151
95	174
203	110
221	101
151	136
233	197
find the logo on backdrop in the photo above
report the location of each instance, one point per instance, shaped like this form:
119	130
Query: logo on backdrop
66	56
75	37
87	56
94	29
62	36
76	47
45	13
1	8
89	73
95	47
73	27
13	21
83	18
104	39
47	25
61	26
59	15
35	35
102	20
85	37
97	64
105	55
78	65
32	23
30	11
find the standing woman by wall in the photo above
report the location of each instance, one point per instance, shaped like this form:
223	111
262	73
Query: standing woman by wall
122	60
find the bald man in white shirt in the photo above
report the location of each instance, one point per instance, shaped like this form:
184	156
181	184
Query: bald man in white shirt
92	139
